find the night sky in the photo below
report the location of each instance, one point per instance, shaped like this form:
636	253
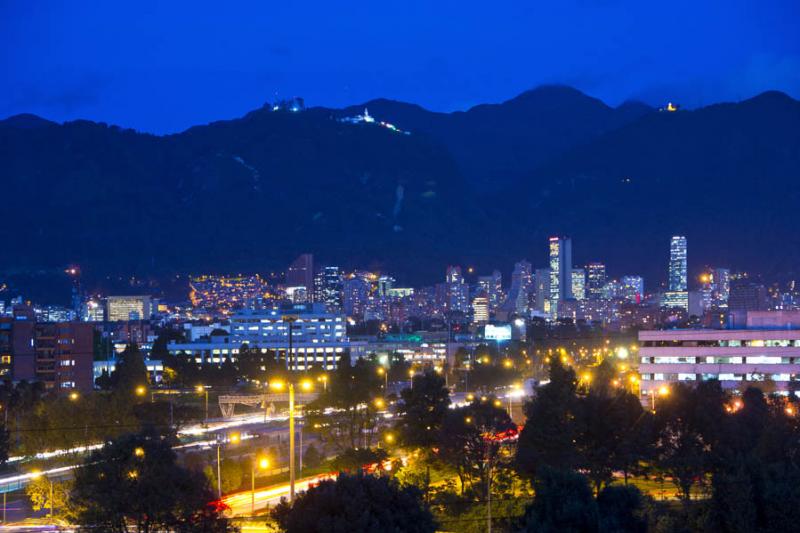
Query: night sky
162	68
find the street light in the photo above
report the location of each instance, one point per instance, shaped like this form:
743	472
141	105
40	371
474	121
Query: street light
263	464
379	403
141	390
324	379
202	390
382	372
306	385
73	396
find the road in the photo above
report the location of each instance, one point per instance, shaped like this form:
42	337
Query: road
240	502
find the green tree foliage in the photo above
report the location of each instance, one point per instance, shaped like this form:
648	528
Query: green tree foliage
130	371
563	504
613	433
356	504
232	475
312	457
622	510
467	441
40	491
136	480
550	432
352	391
424	407
353	460
687	423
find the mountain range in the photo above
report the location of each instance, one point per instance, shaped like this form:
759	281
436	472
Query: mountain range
482	187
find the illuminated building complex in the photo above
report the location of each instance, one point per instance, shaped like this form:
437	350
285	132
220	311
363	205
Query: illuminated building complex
560	272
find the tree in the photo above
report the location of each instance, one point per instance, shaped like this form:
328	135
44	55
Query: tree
424	407
136	480
353	460
685	431
232	475
468	442
5	445
39	492
548	438
563	504
622	510
130	372
612	434
352	391
356	504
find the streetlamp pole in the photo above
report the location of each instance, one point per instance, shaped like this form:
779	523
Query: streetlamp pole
253	488
219	470
291	436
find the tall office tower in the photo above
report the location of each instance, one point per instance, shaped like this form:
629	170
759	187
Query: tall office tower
677	295
456	291
521	284
746	295
121	308
493	286
720	287
328	288
595	280
677	264
560	272
542	290
301	273
579	283
632	288
480	308
356	296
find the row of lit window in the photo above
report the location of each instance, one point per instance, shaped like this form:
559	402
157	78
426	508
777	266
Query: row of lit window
754	376
729	360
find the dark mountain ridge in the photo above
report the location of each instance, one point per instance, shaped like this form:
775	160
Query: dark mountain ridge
483	186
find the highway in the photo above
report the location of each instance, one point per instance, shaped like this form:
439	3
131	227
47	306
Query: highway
240	502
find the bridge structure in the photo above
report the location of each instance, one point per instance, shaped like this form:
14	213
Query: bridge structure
267	402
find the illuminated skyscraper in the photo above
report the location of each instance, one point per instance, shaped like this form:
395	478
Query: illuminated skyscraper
493	286
596	280
480	308
632	288
328	288
456	291
560	272
677	264
543	290
578	283
521	283
677	295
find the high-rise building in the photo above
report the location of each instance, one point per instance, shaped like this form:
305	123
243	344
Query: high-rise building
493	286
456	291
677	295
356	296
560	272
121	308
595	280
578	283
328	288
301	273
677	264
746	295
480	308
720	287
521	283
542	290
632	288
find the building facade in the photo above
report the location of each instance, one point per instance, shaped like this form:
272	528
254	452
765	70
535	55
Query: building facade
560	249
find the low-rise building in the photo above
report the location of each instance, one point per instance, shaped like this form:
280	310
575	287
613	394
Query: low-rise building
766	354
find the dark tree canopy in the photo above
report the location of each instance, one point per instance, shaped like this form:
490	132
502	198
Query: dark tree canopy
425	405
356	504
136	480
548	438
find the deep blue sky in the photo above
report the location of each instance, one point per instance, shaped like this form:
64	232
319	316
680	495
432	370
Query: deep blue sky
162	68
